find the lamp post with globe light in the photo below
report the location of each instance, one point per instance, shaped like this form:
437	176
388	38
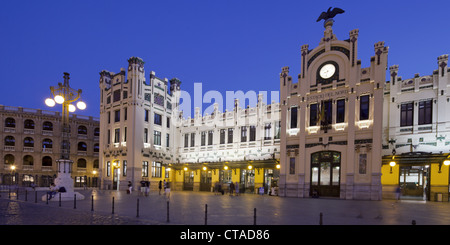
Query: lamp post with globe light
65	95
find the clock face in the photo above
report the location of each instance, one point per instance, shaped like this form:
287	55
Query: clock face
327	71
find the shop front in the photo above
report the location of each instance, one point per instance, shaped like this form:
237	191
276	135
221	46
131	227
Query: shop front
419	175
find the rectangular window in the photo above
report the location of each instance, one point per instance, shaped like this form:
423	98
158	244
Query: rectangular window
124	168
425	112
125	134
243	134
364	107
156	137
108	140
294	117
313	114
186	140
117	116
116	135
406	114
230	135
252	133
327	112
292	165
277	130
146	115
109	117
203	138
267	134
192	139
222	136
158	119
210	137
167	140
168	122
156	169
144	169
125	112
116	95
340	111
108	169
145	135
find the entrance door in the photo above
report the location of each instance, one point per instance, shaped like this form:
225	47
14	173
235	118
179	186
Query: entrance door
414	182
205	181
116	177
325	173
188	181
247	181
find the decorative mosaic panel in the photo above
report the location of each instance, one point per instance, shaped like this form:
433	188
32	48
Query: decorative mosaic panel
159	100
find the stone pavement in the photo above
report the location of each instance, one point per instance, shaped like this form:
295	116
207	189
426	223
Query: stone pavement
188	208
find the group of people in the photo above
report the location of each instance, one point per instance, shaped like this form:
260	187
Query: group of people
145	187
53	190
233	189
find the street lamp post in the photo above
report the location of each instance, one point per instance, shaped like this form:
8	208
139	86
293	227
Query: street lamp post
65	95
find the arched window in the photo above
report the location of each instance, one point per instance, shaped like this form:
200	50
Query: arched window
81	163
28	124
10	122
96	148
10	141
28	142
96	132
47	126
96	165
47	161
9	159
47	143
82	130
82	146
28	160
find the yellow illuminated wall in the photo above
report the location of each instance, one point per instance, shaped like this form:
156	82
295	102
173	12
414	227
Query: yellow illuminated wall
388	178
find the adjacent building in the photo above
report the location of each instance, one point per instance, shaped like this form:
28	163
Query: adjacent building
31	144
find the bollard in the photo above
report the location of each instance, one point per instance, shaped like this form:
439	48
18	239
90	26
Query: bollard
60	199
206	214
320	220
137	208
167	211
254	216
74	201
35	196
46	197
112	205
92	203
17	193
26	195
413	222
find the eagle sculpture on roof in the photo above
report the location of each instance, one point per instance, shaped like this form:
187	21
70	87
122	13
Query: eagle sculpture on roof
330	14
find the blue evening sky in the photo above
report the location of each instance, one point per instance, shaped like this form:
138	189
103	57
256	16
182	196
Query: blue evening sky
225	45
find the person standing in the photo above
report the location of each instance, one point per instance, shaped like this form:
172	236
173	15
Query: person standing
160	186
130	187
231	188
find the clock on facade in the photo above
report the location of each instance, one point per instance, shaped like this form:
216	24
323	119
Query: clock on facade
327	71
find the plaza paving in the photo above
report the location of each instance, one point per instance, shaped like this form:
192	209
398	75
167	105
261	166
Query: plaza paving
188	208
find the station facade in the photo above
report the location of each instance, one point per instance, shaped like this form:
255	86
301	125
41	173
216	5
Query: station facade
340	131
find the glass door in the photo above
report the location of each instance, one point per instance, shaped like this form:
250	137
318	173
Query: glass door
325	174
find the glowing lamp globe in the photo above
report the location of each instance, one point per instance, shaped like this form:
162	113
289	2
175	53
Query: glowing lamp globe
50	102
72	108
81	105
59	99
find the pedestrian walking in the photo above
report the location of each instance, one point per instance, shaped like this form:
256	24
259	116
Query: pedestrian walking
397	193
160	186
237	188
147	188
231	188
130	187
